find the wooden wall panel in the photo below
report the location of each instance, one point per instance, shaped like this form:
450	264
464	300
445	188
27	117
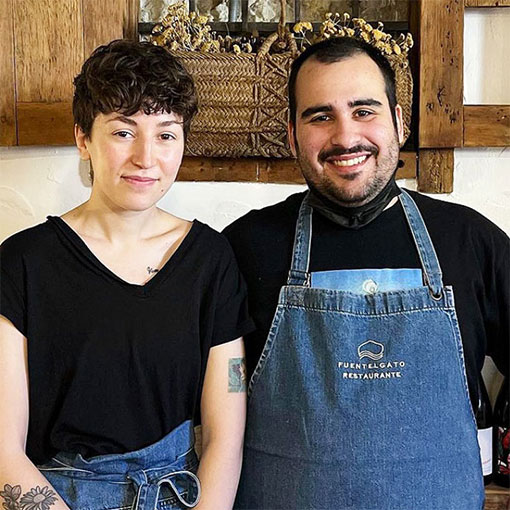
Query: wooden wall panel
441	68
7	84
105	21
45	124
49	48
387	10
486	126
497	498
262	169
435	170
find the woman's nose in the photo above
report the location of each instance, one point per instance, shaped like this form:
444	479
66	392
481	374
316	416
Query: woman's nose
143	154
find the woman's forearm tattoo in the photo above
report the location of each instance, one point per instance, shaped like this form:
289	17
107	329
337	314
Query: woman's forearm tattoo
38	498
236	375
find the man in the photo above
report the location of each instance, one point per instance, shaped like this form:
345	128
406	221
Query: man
359	395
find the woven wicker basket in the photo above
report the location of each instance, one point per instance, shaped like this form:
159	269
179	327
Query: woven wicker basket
243	104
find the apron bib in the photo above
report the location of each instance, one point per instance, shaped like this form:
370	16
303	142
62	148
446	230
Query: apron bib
360	400
160	476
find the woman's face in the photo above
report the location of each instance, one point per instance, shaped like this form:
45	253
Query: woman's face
135	158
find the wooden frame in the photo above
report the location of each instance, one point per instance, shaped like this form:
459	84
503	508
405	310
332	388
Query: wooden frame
487	3
262	170
35	107
486	126
445	123
7	77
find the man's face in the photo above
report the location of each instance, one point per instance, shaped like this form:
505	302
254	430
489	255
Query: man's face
344	136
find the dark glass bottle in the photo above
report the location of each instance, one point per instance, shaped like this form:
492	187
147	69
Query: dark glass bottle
483	414
502	437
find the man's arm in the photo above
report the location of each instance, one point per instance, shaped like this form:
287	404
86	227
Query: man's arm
20	480
223	410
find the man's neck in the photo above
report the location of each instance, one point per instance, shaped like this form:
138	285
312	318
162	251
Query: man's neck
358	216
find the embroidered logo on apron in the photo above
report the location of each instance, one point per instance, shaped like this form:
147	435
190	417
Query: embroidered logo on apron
371	349
370	371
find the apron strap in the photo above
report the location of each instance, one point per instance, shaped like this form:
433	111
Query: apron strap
299	270
148	492
298	274
428	257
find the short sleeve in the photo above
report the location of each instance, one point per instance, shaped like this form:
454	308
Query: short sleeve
498	310
231	317
12	300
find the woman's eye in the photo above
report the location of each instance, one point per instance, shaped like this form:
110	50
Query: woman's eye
122	134
167	136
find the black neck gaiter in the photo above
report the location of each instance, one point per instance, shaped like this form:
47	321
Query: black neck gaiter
355	217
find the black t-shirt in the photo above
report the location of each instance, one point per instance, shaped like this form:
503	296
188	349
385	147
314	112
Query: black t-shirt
474	255
114	366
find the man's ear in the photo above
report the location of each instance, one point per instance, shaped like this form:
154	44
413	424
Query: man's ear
400	124
291	133
81	142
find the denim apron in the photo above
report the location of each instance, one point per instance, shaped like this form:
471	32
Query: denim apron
160	476
360	400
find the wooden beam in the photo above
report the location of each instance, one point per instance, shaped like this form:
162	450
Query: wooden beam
262	170
435	170
441	68
7	81
45	124
497	498
487	3
486	126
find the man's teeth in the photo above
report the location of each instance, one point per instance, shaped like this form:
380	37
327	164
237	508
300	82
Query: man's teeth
349	162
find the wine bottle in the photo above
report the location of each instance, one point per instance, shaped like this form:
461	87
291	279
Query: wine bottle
483	414
502	437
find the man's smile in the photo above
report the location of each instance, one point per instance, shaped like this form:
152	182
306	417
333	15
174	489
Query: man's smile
346	162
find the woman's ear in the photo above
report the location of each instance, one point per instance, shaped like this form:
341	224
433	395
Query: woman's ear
81	142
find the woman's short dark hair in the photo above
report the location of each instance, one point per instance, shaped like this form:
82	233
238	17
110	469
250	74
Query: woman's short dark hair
336	49
127	77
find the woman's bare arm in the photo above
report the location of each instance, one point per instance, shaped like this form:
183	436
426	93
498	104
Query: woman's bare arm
20	481
223	409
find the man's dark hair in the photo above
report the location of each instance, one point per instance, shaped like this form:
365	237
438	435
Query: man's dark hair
336	49
127	77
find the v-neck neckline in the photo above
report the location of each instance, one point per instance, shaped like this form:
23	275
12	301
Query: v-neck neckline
141	290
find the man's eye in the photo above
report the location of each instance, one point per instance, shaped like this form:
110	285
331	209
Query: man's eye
363	113
320	118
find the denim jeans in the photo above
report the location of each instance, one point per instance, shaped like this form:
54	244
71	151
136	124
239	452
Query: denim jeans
160	476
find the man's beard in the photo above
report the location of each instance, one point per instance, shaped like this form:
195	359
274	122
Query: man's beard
324	186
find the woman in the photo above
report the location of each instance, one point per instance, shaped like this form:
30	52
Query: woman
121	324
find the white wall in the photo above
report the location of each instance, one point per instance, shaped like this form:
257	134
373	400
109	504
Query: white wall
35	182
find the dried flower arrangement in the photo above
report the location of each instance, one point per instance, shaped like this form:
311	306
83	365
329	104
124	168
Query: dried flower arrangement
183	31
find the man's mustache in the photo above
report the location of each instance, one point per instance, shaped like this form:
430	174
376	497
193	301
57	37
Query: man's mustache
338	151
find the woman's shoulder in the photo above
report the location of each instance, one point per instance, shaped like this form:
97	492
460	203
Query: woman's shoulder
211	237
210	247
29	240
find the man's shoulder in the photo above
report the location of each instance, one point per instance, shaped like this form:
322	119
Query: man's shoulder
273	218
449	218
